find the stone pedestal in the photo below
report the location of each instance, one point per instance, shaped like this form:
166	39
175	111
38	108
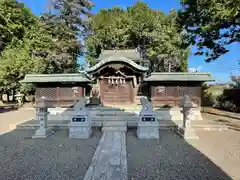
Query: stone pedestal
42	115
187	133
80	130
148	129
43	133
148	125
80	126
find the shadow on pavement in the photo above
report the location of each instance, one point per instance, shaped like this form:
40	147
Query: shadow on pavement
56	157
170	157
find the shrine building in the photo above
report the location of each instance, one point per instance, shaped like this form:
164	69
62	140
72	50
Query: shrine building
118	78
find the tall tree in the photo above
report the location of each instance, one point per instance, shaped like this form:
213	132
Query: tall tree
211	25
49	44
140	27
27	55
15	18
66	22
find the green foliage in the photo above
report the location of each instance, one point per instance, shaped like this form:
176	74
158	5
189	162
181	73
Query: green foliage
209	97
66	25
31	44
236	81
156	35
211	25
15	18
19	31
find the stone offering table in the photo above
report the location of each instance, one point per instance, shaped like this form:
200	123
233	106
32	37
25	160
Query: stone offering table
148	125
42	115
80	125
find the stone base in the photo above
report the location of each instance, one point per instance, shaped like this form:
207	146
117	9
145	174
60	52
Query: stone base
43	133
80	132
187	133
148	131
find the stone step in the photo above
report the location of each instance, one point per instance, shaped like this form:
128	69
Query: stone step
198	125
114	123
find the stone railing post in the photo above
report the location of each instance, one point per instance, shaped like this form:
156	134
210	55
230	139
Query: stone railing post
42	115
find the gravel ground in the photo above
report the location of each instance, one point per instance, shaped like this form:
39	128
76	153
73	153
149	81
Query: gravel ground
56	157
170	157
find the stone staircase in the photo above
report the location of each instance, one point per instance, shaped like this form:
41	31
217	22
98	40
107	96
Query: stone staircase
168	119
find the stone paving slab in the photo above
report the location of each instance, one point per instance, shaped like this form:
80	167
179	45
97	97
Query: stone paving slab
109	161
57	157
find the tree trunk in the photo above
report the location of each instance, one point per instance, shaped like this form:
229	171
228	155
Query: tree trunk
13	96
7	96
1	99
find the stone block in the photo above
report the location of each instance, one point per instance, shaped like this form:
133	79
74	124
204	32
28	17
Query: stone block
80	126
114	126
148	130
187	133
80	133
114	129
79	130
43	133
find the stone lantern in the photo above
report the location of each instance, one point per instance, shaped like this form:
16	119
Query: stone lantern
75	93
19	98
186	129
42	115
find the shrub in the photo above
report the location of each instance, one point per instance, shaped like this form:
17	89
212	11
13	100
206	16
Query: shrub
227	106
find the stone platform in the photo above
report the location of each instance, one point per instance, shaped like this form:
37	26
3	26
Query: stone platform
163	125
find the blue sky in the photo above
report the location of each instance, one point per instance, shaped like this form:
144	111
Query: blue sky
220	68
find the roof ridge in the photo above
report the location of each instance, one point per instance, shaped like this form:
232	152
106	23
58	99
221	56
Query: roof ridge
55	74
183	73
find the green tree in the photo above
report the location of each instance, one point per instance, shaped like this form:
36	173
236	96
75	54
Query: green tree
211	25
16	21
15	18
23	56
67	25
138	26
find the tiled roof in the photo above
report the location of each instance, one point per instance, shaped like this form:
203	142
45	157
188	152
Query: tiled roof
179	76
113	59
41	78
130	54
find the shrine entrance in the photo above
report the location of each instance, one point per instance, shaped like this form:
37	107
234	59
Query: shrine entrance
116	90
